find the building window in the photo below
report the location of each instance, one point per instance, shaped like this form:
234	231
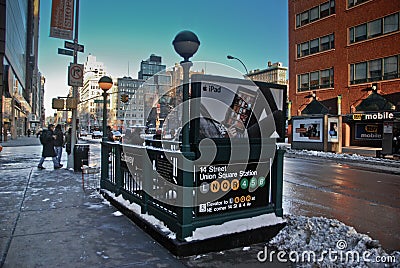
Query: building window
360	72
315	80
374	28
304	49
351	3
324	11
391	23
360	33
304	18
316	45
315	13
390	67
374	70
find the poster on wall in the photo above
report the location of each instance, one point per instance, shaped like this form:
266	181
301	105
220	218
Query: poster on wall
368	131
308	130
333	129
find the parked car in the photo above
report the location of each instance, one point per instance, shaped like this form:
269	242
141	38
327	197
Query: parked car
97	134
117	135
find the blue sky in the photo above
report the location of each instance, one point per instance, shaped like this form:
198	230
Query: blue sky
122	31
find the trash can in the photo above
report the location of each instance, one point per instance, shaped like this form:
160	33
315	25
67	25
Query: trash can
81	156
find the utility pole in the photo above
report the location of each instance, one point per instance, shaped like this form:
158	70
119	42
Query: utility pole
70	163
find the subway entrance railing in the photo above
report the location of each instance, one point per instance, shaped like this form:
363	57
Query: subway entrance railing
144	183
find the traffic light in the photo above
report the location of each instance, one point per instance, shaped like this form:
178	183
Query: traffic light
124	98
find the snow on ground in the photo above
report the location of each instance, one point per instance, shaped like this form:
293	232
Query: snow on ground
382	164
322	242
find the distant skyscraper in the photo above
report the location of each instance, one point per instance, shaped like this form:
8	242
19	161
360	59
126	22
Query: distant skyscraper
150	67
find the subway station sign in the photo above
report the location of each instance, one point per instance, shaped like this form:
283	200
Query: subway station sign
230	187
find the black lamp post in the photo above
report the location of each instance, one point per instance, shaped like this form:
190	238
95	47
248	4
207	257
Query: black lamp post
105	83
186	44
229	57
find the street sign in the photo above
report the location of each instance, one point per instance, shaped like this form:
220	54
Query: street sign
65	52
75	75
71	45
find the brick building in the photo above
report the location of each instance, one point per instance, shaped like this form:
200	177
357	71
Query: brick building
345	56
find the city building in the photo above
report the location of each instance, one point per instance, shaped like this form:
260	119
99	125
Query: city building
130	105
20	82
157	84
275	73
90	107
344	60
150	67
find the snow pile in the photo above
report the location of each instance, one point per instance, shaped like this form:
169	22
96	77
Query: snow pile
235	226
202	233
329	243
344	156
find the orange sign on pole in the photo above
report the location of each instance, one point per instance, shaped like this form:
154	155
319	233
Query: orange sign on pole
62	19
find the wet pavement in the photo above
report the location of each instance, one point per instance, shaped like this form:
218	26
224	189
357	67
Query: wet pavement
365	199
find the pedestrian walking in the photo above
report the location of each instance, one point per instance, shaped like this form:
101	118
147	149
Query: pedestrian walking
58	143
29	133
47	139
109	134
67	142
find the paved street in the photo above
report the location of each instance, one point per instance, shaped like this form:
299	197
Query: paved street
365	199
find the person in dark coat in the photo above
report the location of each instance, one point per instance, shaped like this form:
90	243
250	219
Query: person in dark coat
110	136
59	143
67	142
47	139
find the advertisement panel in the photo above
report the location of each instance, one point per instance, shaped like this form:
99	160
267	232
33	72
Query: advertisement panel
368	131
237	108
62	19
308	130
333	129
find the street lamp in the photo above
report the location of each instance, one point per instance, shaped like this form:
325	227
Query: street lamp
105	83
186	44
229	57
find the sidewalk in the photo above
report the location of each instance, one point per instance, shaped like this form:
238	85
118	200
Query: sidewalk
47	220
